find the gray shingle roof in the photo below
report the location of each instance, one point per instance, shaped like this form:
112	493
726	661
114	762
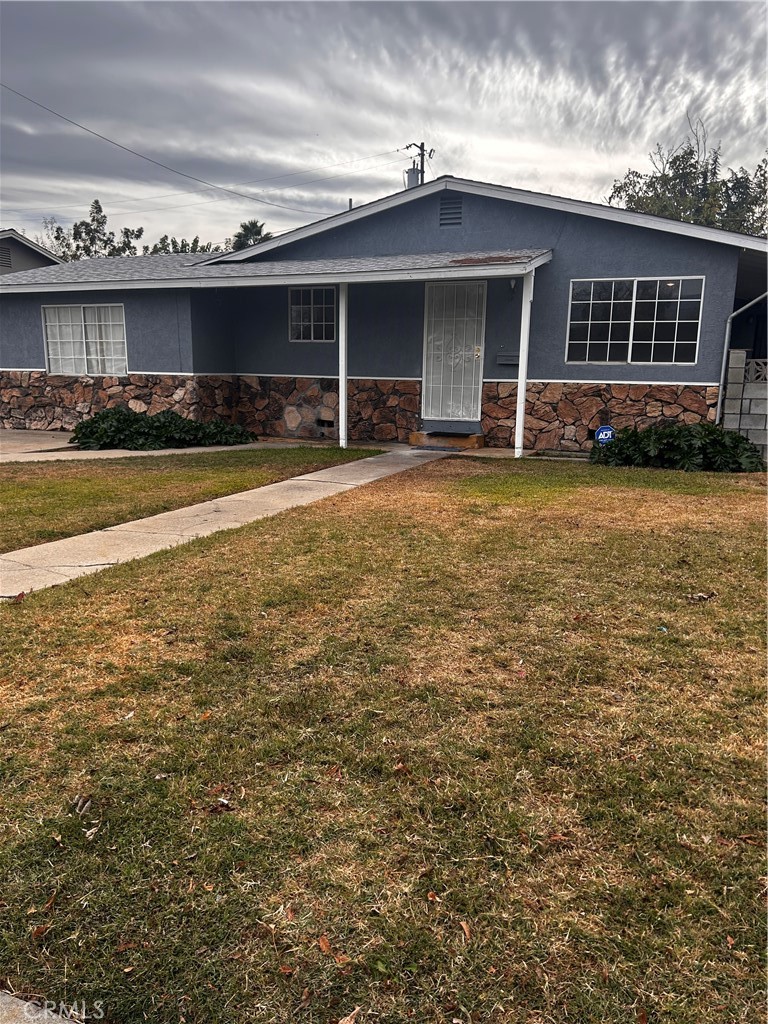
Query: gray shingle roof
154	270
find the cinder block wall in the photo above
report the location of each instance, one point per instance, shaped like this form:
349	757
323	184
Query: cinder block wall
746	399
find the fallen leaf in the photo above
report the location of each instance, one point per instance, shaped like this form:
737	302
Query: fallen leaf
125	946
351	1017
558	838
19	597
731	941
433	897
49	904
40	930
341	958
306	997
324	944
465	929
127	970
642	1016
285	969
205	716
290	913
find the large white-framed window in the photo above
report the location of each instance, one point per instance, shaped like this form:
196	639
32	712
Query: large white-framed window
634	320
312	314
85	339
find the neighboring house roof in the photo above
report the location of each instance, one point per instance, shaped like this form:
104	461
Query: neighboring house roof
17	235
190	270
515	195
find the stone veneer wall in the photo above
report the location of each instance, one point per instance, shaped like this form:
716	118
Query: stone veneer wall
563	417
304	407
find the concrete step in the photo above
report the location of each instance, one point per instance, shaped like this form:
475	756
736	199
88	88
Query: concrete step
440	442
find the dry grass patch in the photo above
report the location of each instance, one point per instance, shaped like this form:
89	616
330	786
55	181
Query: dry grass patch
47	501
462	744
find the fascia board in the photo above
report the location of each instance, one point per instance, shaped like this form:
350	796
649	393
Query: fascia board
463	273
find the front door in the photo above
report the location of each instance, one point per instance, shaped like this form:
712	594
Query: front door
454	333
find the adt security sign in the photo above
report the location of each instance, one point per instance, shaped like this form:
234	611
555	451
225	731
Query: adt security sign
604	435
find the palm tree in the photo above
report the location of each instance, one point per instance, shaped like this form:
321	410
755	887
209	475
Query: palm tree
250	232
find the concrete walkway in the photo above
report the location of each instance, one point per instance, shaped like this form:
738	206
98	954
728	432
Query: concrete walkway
45	565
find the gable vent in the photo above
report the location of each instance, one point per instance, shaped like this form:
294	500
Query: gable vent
5	256
451	211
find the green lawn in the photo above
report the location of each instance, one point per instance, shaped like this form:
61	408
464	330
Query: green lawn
482	742
46	501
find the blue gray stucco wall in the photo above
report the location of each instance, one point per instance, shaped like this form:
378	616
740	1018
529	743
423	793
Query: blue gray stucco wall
158	328
583	247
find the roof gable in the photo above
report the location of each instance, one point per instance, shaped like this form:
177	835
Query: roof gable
504	192
34	246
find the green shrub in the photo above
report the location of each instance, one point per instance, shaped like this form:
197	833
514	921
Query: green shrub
698	446
136	431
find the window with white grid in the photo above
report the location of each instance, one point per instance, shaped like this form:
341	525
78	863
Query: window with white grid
312	314
85	339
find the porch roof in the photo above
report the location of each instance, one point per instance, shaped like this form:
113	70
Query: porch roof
192	270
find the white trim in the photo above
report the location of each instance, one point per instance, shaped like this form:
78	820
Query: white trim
458	273
312	341
82	306
522	364
17	235
591	380
343	333
576	206
629	361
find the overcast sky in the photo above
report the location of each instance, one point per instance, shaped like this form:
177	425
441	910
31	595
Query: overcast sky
268	98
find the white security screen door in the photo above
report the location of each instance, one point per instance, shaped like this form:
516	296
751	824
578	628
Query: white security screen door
454	330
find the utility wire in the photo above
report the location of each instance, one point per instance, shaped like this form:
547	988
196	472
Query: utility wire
158	163
224	199
198	191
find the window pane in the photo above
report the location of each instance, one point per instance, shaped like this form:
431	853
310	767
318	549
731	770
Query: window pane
622	290
641	353
580	311
618	353
685	353
620	332
581	290
602	291
690	310
687	331
664	331
621	311
598	332
577	353
645	310
578	332
647	289
598	353
669	289
643	332
601	311
666	310
690	289
663	353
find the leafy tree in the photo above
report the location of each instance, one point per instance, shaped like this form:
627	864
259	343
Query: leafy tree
250	232
87	239
171	245
686	184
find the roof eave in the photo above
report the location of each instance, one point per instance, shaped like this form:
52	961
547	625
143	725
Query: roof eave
579	207
462	272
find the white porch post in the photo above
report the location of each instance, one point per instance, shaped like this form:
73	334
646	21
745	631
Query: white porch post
343	364
522	369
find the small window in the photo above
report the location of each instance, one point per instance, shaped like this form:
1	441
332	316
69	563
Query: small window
312	314
451	211
650	320
85	339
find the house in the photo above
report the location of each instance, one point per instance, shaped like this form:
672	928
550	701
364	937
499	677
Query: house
454	306
17	252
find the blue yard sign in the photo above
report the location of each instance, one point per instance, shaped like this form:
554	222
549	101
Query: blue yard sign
604	435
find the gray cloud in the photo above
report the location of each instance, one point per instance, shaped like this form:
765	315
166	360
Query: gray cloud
554	96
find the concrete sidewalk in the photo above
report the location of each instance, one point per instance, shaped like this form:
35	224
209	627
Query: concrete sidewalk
45	565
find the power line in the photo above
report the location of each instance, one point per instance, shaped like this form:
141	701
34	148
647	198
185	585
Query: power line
158	163
198	191
222	199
